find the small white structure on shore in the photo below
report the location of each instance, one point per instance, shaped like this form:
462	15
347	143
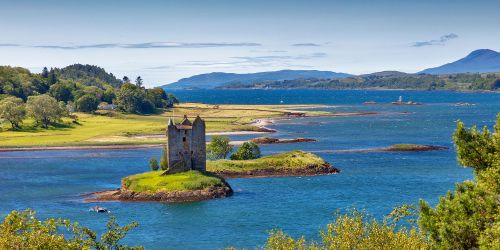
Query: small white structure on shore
106	106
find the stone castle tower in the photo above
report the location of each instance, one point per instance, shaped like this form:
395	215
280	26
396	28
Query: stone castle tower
186	146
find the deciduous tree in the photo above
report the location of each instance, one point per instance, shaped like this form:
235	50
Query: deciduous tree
87	103
13	110
45	109
23	230
219	147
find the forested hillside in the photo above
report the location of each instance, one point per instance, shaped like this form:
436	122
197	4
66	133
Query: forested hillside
89	75
55	93
388	80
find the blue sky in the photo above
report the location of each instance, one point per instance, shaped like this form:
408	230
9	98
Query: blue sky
163	41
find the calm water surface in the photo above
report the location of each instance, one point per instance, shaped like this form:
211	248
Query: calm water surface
52	181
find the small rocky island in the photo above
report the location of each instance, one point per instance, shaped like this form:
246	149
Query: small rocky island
190	177
406	147
294	163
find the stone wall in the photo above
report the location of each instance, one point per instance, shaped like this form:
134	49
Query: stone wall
186	146
199	145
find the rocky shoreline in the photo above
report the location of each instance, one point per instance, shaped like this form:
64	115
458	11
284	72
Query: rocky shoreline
123	194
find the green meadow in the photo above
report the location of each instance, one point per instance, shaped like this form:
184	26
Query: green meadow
114	128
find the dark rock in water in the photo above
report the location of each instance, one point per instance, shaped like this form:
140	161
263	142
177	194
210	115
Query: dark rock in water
271	140
265	130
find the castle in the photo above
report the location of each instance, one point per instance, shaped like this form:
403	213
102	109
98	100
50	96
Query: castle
186	146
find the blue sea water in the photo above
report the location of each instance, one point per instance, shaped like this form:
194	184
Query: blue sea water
52	182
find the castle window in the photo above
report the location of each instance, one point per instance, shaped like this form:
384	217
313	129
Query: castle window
185	132
183	138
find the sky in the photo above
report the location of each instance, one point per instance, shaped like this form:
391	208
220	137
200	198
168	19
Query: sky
163	41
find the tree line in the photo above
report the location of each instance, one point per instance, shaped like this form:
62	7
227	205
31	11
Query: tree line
389	80
52	94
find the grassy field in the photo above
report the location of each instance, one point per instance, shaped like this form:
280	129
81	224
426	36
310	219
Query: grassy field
154	181
288	160
113	128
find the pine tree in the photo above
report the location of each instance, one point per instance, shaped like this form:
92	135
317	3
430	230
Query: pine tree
138	81
126	79
45	72
52	78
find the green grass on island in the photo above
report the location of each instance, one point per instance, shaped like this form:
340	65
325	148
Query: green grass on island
289	160
114	128
154	181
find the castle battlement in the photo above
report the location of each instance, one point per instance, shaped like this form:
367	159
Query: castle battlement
186	145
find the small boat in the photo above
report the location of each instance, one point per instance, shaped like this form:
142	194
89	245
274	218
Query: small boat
370	102
464	104
99	209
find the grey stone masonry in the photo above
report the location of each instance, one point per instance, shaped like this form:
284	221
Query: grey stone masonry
186	145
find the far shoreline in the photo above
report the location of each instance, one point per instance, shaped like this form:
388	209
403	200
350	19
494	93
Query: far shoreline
361	89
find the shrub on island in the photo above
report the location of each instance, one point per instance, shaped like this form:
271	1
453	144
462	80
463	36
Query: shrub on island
247	151
153	164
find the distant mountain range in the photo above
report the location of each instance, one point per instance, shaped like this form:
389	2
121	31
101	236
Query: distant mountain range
482	60
217	79
478	61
